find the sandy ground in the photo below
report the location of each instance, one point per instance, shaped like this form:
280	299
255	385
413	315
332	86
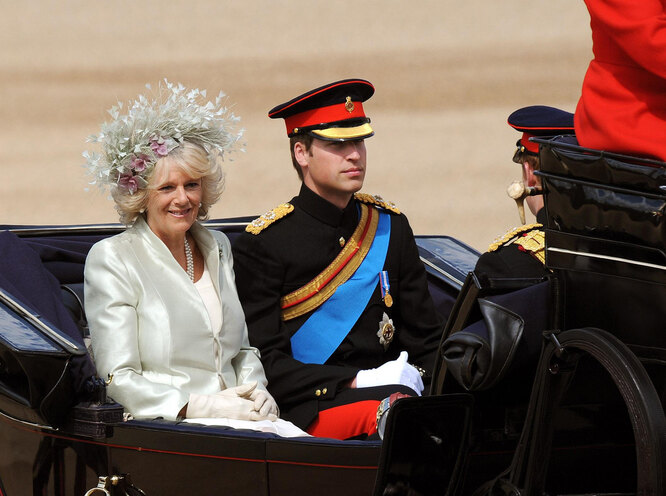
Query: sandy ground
447	75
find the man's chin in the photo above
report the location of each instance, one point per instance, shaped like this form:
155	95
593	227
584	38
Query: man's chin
354	185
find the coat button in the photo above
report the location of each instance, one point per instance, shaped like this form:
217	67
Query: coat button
318	392
324	391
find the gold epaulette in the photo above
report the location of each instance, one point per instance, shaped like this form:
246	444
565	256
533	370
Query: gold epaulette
533	242
511	235
265	220
378	201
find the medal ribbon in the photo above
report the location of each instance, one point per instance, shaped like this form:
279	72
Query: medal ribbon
384	283
327	327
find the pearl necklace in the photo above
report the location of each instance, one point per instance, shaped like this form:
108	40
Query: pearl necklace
190	260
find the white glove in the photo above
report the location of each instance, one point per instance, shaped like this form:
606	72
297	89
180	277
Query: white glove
397	371
243	391
265	406
215	406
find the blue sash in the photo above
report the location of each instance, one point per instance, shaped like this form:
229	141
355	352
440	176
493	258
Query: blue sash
327	327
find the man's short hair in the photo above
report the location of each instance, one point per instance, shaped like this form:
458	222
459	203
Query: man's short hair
530	158
306	139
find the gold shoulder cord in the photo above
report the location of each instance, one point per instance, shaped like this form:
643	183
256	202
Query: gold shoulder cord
509	236
378	201
534	242
265	220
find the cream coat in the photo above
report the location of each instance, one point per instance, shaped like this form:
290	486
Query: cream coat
151	330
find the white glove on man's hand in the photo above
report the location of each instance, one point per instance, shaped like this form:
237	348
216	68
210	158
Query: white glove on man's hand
265	406
215	406
397	371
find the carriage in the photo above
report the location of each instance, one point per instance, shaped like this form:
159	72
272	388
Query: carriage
565	400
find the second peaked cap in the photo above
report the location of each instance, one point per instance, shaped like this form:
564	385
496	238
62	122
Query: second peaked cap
539	120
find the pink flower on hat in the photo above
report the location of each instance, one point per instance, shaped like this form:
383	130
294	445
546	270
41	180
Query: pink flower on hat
128	182
159	147
139	163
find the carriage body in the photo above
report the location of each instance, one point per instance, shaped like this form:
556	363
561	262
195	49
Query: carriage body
56	444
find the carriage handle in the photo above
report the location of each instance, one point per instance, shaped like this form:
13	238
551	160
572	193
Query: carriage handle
102	485
106	481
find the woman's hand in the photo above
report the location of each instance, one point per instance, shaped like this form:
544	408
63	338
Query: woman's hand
264	404
244	390
216	406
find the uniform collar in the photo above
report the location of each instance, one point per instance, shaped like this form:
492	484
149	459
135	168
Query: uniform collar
322	209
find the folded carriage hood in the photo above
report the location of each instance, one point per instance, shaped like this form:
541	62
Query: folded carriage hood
35	383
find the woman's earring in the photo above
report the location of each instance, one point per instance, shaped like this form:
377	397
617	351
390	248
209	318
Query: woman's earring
200	204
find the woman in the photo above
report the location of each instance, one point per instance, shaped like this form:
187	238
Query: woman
165	319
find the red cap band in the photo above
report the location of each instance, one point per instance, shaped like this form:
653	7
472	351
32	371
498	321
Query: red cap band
530	146
323	115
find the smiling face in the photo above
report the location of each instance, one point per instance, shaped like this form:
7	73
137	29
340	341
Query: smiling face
173	200
335	170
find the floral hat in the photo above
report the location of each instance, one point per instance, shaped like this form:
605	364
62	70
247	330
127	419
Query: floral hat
132	143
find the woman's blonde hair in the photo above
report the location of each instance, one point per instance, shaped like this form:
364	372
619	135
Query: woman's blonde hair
194	161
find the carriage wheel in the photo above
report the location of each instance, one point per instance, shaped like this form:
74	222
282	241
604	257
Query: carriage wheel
529	467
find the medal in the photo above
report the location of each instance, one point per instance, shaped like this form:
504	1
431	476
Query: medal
385	287
386	331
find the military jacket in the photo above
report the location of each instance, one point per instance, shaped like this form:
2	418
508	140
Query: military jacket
288	254
509	258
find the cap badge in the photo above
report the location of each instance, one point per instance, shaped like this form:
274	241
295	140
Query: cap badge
349	105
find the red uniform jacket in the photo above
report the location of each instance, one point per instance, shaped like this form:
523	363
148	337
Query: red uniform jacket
623	103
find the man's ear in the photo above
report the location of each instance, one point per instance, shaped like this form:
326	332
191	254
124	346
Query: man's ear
529	178
301	154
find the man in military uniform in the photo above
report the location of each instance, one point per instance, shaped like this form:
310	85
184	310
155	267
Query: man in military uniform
520	252
514	265
334	293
